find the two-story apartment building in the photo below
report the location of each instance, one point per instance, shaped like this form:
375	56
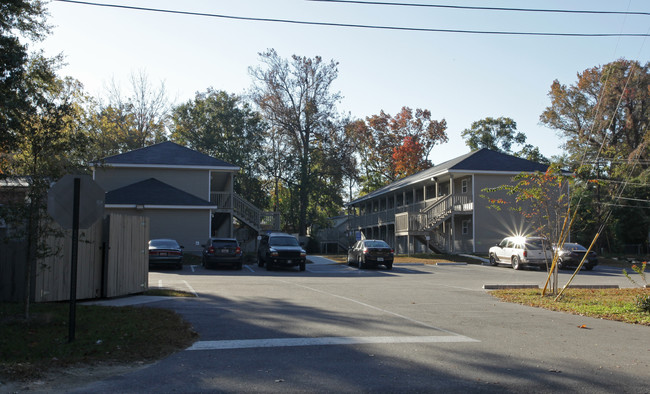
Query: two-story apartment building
440	208
187	195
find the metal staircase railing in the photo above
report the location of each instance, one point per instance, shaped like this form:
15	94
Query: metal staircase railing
253	216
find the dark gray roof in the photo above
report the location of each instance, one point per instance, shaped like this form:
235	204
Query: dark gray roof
480	161
153	192
167	154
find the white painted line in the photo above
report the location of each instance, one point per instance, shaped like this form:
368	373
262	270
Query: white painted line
191	288
193	267
249	268
288	342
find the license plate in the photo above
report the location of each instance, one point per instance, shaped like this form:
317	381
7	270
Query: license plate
288	261
163	254
224	250
380	259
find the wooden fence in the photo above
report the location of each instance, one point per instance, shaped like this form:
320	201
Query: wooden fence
112	261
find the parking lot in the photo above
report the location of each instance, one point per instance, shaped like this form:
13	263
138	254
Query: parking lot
416	328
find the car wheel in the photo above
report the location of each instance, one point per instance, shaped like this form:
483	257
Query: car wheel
360	262
269	267
179	266
560	264
302	266
589	267
239	266
516	263
260	261
389	266
493	260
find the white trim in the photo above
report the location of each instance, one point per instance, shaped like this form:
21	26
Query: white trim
473	214
168	166
145	206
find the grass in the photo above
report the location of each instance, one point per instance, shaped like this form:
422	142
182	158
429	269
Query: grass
610	304
103	334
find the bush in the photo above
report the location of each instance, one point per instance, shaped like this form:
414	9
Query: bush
642	302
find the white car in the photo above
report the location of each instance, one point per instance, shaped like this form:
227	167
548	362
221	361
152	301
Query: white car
521	251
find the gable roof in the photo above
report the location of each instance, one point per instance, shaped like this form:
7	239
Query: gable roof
152	192
166	154
481	161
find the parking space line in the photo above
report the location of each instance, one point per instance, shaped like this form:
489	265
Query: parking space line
191	288
288	342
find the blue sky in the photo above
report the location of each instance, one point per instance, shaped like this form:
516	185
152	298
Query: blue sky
459	77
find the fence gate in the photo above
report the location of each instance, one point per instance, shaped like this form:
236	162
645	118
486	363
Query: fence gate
113	260
127	268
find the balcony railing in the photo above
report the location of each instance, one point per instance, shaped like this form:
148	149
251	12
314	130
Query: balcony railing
420	216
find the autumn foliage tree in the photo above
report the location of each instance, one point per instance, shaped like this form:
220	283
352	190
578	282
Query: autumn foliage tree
603	117
393	147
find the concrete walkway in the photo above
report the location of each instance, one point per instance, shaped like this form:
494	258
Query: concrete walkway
320	260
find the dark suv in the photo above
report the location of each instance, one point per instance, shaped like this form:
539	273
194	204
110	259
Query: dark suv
280	250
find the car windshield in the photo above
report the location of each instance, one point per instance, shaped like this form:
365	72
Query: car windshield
283	241
376	244
535	244
224	243
578	247
163	244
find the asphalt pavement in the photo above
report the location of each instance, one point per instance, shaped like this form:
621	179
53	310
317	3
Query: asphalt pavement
415	328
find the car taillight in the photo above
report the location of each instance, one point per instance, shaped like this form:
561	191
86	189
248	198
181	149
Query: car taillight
174	252
211	249
392	251
238	250
525	253
365	250
303	253
153	252
273	253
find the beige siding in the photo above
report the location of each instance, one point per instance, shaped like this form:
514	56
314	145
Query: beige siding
492	225
195	182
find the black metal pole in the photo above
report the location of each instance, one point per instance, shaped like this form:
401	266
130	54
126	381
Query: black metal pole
73	259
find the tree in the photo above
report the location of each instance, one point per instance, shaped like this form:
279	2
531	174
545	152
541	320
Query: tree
603	118
541	198
296	99
393	147
500	134
134	120
220	125
47	144
18	18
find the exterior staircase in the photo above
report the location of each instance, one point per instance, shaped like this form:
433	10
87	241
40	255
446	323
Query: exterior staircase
254	217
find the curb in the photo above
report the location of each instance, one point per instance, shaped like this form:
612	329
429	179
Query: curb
499	287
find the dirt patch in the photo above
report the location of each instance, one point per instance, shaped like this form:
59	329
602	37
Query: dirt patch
65	379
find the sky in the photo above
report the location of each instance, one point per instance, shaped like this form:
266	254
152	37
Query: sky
459	77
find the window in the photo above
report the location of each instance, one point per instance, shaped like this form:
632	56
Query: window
463	186
465	227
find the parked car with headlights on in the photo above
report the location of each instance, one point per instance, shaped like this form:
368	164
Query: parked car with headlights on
371	252
571	254
222	251
522	251
165	252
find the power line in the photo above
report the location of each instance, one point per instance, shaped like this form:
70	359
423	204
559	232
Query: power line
361	26
463	7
